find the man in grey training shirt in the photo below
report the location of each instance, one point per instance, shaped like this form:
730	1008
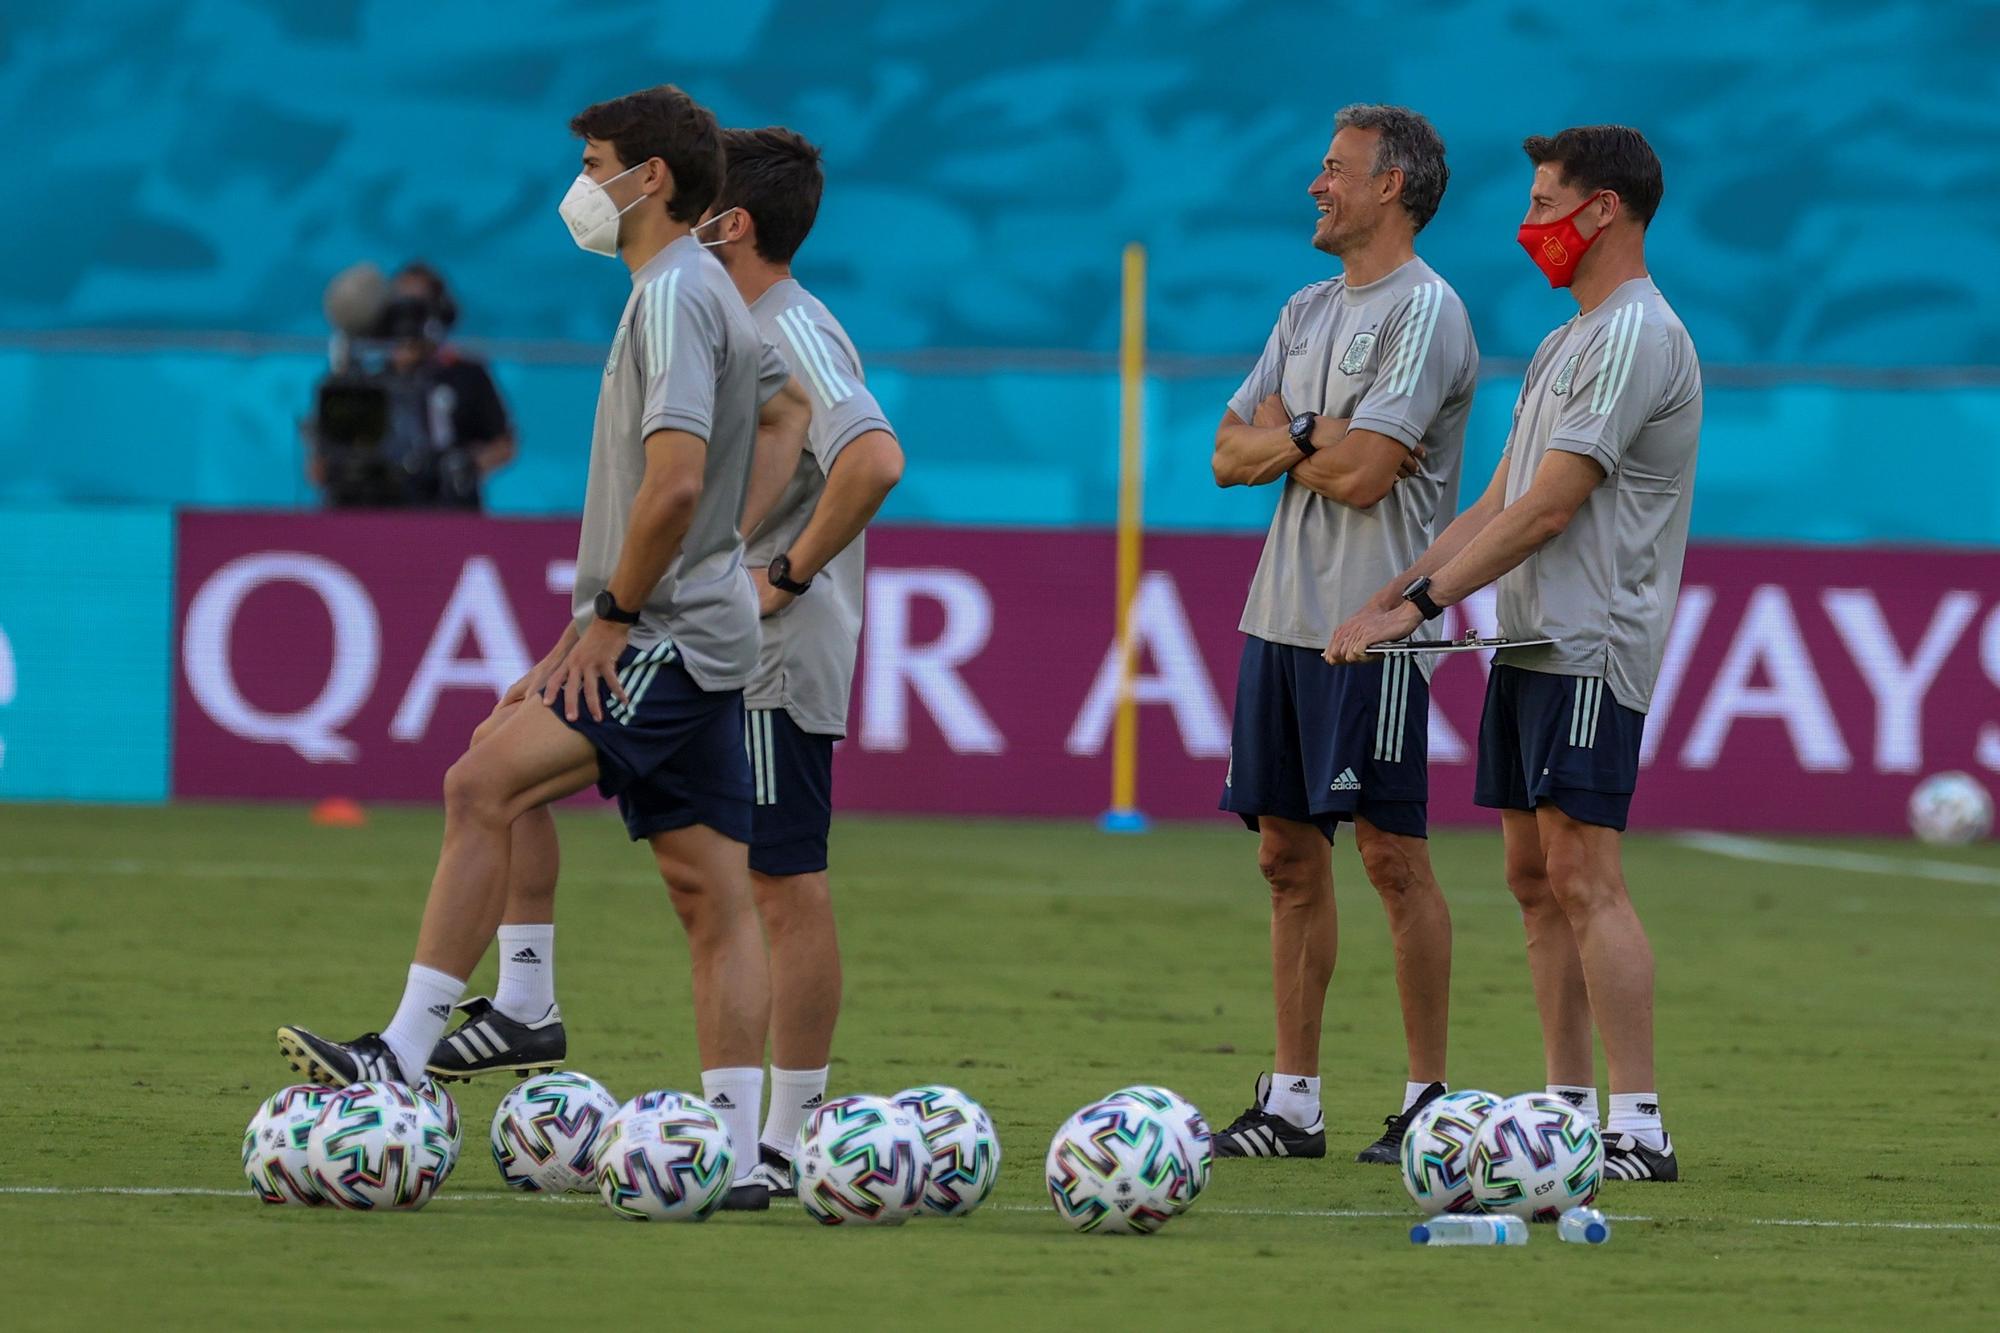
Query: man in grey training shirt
643	695
1358	407
806	555
1584	527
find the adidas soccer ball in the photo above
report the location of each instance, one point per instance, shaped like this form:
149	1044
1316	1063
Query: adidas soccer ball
1951	809
965	1150
378	1145
1188	1122
1536	1157
665	1157
274	1145
1117	1167
546	1130
432	1093
861	1159
1437	1151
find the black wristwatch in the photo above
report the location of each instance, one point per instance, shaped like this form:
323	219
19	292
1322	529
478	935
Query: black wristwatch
780	574
1302	433
1418	594
607	608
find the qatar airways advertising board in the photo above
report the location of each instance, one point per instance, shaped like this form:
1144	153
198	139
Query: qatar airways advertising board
1804	690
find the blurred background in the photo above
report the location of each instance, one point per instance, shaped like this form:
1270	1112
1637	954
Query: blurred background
192	175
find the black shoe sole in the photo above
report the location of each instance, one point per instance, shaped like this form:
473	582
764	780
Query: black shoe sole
1376	1154
752	1198
302	1060
520	1072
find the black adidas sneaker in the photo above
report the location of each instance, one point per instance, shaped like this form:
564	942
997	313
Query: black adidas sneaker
1625	1158
774	1171
1258	1133
489	1042
747	1196
336	1064
1388	1149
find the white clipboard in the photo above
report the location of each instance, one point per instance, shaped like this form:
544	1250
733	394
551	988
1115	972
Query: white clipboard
1471	643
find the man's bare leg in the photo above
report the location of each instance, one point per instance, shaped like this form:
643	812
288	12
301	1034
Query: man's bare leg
797	911
1561	998
1420	925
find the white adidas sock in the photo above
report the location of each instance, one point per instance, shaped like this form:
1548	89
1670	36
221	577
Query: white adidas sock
1583	1099
794	1095
1294	1097
527	972
413	1033
1412	1091
736	1094
1638	1114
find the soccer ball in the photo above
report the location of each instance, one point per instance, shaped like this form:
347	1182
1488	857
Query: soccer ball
1437	1151
1536	1157
1188	1122
546	1130
1951	809
665	1157
1116	1167
431	1092
861	1159
274	1145
965	1150
378	1145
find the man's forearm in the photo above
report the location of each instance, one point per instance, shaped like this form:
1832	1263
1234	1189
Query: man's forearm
1457	534
1491	550
654	530
861	479
1248	455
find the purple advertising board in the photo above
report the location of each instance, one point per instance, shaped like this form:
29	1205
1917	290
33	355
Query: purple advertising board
1804	690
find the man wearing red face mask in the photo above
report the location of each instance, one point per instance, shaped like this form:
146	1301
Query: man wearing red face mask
1584	528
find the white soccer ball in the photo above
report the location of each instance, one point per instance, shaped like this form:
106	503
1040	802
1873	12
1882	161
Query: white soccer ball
1951	809
861	1160
1188	1123
665	1157
1537	1157
378	1145
964	1149
274	1145
546	1131
1117	1167
1437	1151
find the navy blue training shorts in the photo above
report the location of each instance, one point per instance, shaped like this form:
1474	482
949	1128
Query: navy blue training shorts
1561	739
1319	744
791	779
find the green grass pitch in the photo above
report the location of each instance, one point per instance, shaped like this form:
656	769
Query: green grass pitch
1827	1042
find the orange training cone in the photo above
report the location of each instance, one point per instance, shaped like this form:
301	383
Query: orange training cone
339	812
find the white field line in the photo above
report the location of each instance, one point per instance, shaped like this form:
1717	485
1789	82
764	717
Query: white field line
1827	858
524	1200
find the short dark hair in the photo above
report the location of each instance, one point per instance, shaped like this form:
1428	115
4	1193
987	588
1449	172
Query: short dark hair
1605	157
666	123
773	175
1409	143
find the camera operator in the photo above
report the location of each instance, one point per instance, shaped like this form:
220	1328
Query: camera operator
403	419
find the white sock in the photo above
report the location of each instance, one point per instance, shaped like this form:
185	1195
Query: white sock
527	972
413	1033
794	1095
1638	1114
1412	1091
1583	1099
736	1094
1295	1098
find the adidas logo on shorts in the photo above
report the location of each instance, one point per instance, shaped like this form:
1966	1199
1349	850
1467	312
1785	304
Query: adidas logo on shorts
1347	781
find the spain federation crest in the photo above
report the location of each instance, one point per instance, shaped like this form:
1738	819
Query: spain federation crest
1568	374
1356	355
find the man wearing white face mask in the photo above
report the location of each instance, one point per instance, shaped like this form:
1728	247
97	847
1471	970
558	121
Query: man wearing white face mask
807	556
643	695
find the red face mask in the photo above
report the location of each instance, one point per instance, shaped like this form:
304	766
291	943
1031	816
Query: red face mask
1557	247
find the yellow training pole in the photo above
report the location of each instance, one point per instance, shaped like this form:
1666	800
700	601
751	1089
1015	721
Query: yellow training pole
1124	815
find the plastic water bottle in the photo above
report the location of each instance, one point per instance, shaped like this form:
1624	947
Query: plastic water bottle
1458	1229
1583	1226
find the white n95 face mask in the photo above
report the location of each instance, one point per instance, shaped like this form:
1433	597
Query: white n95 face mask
590	215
